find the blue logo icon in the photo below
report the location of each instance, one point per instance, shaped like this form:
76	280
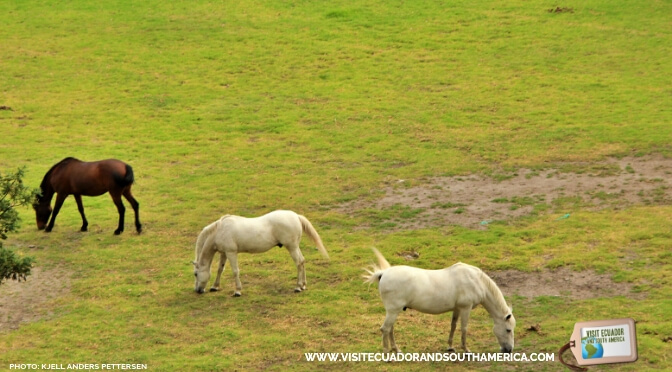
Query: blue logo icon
591	349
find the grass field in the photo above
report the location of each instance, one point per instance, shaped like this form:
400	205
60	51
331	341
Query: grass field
246	107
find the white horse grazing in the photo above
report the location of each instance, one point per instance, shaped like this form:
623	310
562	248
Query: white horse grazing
459	288
233	234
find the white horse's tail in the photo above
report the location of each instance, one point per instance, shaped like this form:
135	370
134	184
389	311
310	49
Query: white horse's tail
376	272
203	237
313	235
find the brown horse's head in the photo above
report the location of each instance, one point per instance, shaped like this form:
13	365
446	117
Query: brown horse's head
42	208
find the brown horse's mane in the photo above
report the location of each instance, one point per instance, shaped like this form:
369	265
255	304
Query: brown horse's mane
45	181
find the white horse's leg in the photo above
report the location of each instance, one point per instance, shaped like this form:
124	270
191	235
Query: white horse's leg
222	260
464	314
393	344
233	259
387	329
453	325
295	252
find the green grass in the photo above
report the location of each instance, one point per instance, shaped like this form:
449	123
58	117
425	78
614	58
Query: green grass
248	107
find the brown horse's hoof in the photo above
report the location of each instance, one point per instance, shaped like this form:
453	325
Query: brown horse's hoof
117	232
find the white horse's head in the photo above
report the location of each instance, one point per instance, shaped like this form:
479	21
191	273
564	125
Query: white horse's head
201	275
504	328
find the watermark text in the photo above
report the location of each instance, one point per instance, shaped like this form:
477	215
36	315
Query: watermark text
77	366
429	357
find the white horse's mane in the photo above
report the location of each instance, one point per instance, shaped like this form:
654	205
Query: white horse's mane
204	234
494	290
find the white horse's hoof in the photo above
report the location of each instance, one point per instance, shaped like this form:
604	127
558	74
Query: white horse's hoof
237	294
214	289
451	350
297	290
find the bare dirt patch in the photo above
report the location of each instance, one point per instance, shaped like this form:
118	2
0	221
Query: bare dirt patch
558	9
562	282
30	300
475	201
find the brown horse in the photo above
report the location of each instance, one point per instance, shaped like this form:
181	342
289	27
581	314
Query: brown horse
72	176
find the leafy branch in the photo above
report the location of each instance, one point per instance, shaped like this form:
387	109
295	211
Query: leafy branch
13	194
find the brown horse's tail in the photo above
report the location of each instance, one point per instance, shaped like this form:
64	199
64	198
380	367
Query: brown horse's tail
127	179
313	235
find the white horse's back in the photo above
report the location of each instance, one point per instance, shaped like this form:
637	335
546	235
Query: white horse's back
258	234
431	291
458	288
231	235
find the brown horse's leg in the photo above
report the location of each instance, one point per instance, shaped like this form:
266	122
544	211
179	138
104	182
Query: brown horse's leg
80	207
136	208
116	198
60	198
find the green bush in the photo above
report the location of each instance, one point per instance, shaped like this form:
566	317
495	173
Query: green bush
13	193
13	267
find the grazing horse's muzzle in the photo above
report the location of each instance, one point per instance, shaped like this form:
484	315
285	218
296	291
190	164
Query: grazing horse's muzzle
199	290
507	350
